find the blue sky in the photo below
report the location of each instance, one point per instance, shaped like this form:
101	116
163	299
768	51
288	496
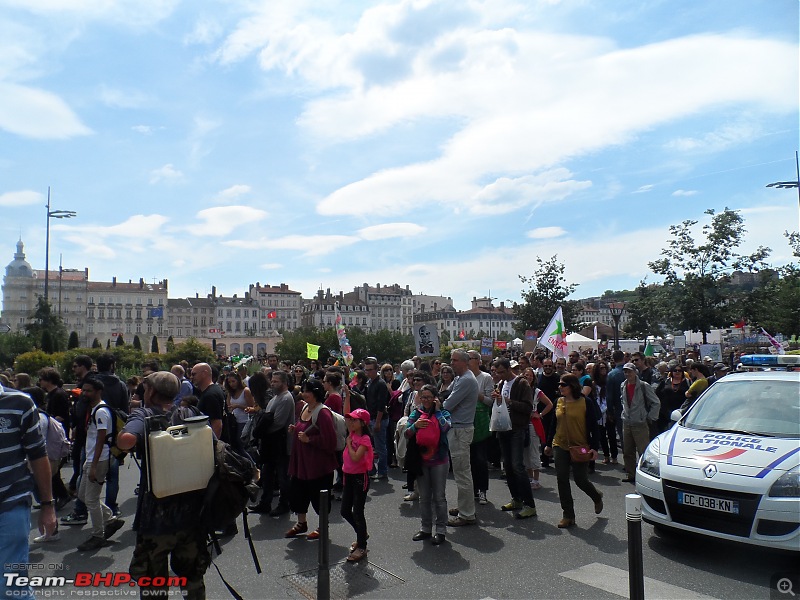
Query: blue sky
443	145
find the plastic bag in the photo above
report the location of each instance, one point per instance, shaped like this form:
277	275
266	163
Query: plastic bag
501	420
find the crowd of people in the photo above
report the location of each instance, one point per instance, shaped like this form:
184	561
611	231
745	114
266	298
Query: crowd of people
313	428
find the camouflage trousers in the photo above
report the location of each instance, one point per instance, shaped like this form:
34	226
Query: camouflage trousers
184	551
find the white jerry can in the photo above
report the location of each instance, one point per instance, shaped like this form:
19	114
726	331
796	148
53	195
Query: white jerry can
181	459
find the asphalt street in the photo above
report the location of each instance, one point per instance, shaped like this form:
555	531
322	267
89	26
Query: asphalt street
499	558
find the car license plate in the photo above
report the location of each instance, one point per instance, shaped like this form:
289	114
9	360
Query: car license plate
718	504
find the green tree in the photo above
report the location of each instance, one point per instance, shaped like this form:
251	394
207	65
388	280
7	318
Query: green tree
170	344
191	351
73	342
46	327
108	344
547	290
137	343
120	340
96	343
697	272
32	362
645	312
154	345
12	345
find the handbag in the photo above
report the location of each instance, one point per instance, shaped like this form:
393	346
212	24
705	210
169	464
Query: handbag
501	420
577	453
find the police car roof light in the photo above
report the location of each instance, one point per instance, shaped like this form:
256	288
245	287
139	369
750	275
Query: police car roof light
770	360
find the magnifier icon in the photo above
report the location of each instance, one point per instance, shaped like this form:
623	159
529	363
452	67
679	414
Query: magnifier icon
784	586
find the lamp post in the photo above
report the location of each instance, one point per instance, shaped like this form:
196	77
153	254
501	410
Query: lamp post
789	184
616	309
52	214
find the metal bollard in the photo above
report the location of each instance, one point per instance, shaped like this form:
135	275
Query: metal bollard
633	514
324	572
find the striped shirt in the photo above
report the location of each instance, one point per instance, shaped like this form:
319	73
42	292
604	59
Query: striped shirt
20	441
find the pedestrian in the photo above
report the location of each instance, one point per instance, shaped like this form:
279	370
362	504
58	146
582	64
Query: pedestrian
640	407
357	459
574	425
313	459
428	424
167	532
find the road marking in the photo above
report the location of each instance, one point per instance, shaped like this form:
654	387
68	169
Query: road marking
615	581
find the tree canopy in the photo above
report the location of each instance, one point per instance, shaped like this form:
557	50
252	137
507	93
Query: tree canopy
547	290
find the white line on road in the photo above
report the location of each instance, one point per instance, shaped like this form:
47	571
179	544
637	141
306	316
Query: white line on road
615	581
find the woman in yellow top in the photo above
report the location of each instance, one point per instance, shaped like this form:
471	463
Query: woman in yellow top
575	424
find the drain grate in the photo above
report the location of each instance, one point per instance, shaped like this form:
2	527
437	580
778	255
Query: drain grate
346	580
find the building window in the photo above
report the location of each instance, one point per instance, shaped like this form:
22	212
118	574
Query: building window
138	328
149	328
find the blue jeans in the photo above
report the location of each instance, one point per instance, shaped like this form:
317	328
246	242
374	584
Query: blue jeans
379	434
512	445
15	525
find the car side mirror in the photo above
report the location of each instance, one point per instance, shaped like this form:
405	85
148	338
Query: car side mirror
676	415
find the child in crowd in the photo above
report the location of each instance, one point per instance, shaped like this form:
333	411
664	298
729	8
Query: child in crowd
357	456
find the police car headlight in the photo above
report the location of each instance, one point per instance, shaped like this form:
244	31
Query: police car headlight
788	486
649	462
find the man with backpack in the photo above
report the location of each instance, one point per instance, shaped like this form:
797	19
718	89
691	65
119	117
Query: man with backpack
116	395
95	468
167	530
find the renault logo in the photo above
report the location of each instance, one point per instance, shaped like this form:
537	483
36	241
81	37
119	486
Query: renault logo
710	470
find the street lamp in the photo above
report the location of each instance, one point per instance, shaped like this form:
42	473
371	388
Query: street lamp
52	214
616	309
787	185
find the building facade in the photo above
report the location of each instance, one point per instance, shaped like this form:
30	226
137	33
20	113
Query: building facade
127	309
280	306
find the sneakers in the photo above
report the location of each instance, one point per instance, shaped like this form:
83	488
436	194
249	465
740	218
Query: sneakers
41	539
113	527
526	513
411	497
513	505
453	512
74	519
379	477
535	485
482	498
598	505
93	543
460	522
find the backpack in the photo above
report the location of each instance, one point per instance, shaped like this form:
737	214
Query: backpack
339	425
230	488
58	445
118	419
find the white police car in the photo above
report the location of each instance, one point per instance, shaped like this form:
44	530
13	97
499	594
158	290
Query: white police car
730	467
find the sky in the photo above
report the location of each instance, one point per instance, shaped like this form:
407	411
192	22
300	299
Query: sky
442	145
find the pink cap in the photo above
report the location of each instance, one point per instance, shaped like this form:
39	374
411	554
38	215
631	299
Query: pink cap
359	413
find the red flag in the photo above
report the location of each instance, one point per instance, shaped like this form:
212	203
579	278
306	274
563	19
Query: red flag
272	315
739	324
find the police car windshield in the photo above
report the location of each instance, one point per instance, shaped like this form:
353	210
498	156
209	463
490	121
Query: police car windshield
769	408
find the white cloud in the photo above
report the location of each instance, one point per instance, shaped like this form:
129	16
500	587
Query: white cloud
309	245
271	266
146	129
129	12
38	114
507	195
117	98
546	233
644	189
684	192
724	137
201	128
168	173
222	220
134	227
233	192
21	198
390	230
205	31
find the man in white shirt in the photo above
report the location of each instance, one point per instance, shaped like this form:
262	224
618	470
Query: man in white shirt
95	469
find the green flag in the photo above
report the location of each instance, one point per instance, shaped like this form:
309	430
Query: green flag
648	350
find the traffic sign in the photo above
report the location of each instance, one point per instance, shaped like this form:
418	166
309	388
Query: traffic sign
214	331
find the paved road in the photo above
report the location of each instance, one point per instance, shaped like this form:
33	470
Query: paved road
501	558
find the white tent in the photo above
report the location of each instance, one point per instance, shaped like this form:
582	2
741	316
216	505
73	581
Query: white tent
576	341
516	342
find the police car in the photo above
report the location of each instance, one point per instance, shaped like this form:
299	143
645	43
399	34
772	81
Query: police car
730	467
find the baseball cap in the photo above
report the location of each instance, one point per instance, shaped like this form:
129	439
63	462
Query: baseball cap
628	366
359	413
164	383
720	367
